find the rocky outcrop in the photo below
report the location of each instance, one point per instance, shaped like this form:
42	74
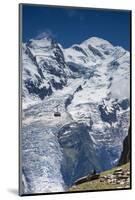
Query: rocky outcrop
125	155
120	177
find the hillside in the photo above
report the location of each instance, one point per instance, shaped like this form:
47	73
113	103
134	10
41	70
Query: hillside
115	178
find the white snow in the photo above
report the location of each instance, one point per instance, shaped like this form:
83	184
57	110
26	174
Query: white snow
95	41
102	80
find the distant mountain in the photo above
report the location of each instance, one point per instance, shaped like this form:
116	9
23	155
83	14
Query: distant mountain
47	66
89	82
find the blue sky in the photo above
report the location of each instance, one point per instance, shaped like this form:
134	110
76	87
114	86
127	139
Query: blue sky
69	25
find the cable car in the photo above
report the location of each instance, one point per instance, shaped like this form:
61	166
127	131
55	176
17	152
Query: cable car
57	113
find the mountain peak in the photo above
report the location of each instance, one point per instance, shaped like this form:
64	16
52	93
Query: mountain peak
42	41
44	36
95	41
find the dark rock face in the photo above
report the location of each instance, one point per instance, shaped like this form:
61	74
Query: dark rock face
113	65
34	89
80	156
124	104
79	88
77	48
68	101
125	155
95	51
108	116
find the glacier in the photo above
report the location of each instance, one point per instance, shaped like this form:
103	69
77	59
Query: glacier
91	84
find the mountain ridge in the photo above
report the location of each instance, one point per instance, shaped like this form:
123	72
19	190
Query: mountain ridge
90	83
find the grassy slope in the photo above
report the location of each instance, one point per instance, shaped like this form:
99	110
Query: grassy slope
96	184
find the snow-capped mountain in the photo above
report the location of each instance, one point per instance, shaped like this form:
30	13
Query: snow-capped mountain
90	83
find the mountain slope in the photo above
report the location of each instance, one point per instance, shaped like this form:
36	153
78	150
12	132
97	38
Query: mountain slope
90	83
115	178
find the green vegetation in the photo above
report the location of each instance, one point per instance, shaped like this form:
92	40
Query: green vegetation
97	184
93	185
125	166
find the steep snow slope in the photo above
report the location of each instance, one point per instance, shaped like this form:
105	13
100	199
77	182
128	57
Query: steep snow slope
90	83
44	68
